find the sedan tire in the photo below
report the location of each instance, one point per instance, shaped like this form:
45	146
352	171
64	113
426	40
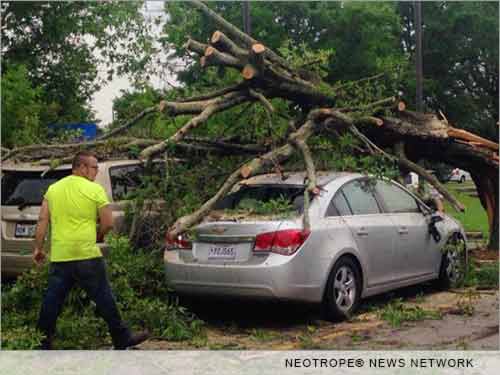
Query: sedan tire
454	262
343	290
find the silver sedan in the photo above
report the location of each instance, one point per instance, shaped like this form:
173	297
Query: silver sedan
367	236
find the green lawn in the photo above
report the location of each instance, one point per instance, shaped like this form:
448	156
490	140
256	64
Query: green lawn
474	218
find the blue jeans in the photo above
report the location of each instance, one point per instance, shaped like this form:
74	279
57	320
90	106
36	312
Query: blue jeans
90	275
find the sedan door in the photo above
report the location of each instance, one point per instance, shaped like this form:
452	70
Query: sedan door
416	252
372	230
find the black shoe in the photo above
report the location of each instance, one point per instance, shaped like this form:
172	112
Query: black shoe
133	340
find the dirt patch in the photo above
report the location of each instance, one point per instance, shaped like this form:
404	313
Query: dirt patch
481	254
468	319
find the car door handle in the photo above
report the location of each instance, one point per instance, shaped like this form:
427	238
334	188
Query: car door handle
403	230
362	232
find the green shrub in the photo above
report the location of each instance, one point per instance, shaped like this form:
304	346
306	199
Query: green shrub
487	276
141	292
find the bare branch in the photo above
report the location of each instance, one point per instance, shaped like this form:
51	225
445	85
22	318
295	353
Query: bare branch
362	80
247	170
214	94
236	33
194	46
206	110
266	103
429	178
129	124
214	57
225	44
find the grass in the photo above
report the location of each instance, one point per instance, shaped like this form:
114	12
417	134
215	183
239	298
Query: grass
474	219
396	312
262	335
487	276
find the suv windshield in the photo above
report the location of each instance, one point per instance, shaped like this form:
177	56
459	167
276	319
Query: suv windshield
265	199
126	179
27	188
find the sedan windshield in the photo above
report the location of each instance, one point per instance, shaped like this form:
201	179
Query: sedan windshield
27	188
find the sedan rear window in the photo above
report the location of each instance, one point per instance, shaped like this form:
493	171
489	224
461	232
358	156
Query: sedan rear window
265	199
21	188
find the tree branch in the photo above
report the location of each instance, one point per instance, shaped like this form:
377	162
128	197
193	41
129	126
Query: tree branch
236	33
403	161
205	111
247	170
129	124
194	46
225	44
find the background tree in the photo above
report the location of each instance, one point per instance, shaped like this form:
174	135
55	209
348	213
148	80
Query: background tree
21	107
63	45
460	55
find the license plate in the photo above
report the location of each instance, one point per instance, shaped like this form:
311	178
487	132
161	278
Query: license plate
222	252
25	230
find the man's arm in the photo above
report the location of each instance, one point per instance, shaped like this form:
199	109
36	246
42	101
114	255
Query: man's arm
105	222
41	231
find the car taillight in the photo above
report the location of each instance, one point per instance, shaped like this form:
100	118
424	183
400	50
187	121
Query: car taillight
284	242
178	242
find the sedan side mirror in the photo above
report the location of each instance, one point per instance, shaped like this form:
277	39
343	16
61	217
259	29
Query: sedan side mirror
432	227
435	219
431	203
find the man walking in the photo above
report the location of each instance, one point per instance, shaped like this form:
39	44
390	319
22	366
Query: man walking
72	206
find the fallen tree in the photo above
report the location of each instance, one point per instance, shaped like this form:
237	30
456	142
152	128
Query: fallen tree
265	75
385	126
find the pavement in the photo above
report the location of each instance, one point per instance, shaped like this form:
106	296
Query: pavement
469	321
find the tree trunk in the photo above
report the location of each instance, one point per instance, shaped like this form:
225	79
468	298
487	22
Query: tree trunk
487	187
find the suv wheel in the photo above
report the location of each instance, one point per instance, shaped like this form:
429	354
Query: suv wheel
343	290
453	263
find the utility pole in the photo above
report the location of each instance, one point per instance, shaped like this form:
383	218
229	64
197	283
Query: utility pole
418	55
245	11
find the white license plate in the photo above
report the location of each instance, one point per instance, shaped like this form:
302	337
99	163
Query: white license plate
222	252
25	230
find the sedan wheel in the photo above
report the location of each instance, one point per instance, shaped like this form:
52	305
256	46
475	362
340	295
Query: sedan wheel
343	290
454	262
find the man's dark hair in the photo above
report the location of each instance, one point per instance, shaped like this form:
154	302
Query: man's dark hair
79	158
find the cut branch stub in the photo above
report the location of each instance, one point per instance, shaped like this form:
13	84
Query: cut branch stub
249	72
215	57
224	44
257	55
194	46
237	34
258	48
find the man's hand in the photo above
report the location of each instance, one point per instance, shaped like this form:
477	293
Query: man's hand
105	222
38	256
41	231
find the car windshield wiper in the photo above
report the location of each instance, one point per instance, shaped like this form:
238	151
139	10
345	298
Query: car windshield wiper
23	205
